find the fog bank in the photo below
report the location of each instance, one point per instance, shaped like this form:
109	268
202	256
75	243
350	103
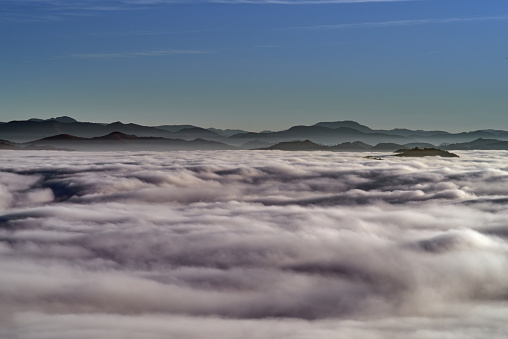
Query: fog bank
252	244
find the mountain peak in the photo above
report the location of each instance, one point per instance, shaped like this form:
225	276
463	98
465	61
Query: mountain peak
345	123
117	136
61	137
64	119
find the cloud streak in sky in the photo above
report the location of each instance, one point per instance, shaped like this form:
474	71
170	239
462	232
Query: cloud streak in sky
396	23
113	4
252	244
13	10
289	2
127	55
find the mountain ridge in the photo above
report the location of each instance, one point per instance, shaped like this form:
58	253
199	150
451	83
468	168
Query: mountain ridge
327	133
118	141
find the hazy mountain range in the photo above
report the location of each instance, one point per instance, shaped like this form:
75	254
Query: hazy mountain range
67	133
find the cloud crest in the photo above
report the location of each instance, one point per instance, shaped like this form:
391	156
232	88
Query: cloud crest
253	244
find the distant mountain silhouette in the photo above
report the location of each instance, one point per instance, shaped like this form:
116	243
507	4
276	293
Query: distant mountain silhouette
347	146
425	152
117	136
361	144
174	128
134	129
343	135
217	133
415	133
318	134
305	145
65	119
22	131
5	144
308	145
347	123
61	137
226	132
496	132
192	133
440	137
479	144
118	141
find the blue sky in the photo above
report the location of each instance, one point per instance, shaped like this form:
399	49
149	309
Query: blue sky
267	64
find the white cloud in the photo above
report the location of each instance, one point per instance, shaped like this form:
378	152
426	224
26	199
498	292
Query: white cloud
252	244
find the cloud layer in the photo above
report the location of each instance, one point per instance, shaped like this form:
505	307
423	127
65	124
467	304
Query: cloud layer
252	244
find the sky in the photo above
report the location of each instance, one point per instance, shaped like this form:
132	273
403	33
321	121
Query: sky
257	64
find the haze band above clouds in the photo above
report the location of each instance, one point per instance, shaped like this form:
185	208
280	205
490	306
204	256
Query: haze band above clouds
253	245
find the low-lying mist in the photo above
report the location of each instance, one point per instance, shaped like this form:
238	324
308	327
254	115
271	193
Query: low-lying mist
252	244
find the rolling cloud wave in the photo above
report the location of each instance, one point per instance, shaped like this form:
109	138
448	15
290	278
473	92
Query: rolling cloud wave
252	244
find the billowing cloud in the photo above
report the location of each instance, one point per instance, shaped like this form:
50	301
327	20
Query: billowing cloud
252	244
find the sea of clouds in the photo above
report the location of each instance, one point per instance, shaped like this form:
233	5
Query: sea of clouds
252	244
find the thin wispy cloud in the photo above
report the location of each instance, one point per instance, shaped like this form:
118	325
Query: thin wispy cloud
127	55
31	10
291	2
401	23
268	46
145	33
95	5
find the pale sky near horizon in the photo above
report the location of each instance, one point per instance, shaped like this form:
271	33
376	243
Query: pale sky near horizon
257	64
